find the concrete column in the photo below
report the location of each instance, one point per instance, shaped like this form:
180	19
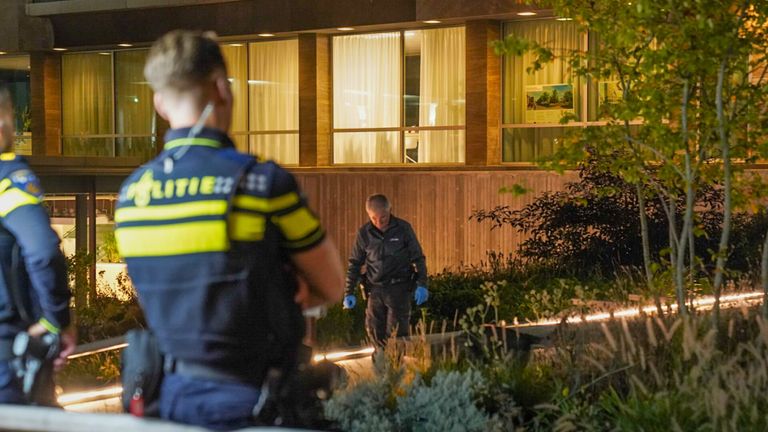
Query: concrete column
483	98
314	100
81	246
92	239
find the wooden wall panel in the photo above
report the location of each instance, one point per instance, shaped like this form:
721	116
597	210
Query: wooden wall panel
437	204
45	83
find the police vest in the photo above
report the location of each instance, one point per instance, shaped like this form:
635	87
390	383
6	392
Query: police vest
202	241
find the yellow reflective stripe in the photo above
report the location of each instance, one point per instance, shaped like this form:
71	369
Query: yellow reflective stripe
49	326
172	211
5	184
266	205
246	226
307	241
206	142
14	198
7	156
172	239
297	224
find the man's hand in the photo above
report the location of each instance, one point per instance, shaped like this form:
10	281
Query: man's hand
421	295
350	301
68	341
68	345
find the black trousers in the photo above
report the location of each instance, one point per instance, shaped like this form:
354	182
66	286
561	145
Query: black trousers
389	309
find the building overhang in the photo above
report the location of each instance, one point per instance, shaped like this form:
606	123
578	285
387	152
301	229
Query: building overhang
114	22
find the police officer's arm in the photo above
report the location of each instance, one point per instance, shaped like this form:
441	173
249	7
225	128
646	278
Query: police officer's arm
416	256
356	261
314	255
24	216
321	269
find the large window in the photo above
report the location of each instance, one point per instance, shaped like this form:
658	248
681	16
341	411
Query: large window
107	105
534	103
14	71
398	97
265	84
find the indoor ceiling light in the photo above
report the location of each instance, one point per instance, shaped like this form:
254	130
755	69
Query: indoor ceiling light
59	49
266	34
564	19
345	28
3	53
235	44
104	53
431	22
125	45
527	13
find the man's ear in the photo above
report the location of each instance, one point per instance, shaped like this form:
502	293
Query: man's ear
159	102
223	91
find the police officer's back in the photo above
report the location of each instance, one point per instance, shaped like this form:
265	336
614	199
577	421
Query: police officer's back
33	283
215	243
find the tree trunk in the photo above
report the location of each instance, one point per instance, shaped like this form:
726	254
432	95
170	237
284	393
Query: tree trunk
647	249
725	234
764	275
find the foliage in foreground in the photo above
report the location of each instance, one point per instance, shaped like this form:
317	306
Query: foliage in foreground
647	374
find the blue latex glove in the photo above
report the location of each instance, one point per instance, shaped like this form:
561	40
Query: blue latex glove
421	295
350	301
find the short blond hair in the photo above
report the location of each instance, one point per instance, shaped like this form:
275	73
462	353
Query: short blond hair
182	60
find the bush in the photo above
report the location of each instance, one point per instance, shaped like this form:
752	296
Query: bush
593	226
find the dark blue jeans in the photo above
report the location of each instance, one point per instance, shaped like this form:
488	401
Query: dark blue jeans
212	404
10	387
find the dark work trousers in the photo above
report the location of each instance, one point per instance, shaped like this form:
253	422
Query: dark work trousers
208	403
389	307
10	386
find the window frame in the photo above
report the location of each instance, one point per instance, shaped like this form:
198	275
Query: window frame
401	130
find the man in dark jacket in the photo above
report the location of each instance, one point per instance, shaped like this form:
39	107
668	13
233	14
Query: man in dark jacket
34	296
394	263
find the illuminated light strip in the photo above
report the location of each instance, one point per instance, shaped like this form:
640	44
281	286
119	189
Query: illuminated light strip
89	406
100	350
84	396
338	355
704	303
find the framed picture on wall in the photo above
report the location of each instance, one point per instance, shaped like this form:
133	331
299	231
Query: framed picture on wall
548	103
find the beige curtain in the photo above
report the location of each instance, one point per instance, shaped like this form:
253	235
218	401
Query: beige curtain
86	103
562	37
135	112
236	57
274	99
441	94
366	94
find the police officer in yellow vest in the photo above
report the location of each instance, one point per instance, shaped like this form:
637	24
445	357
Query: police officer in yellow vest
34	296
216	244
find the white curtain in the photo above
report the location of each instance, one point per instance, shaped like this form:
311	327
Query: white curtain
86	103
273	83
134	109
441	94
562	38
366	94
236	56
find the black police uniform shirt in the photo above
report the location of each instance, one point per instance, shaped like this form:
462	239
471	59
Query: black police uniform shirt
30	258
389	256
206	233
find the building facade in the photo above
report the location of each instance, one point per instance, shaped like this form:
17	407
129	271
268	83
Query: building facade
402	97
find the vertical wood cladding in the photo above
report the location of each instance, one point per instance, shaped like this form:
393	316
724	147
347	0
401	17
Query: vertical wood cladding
45	83
483	93
314	100
437	204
